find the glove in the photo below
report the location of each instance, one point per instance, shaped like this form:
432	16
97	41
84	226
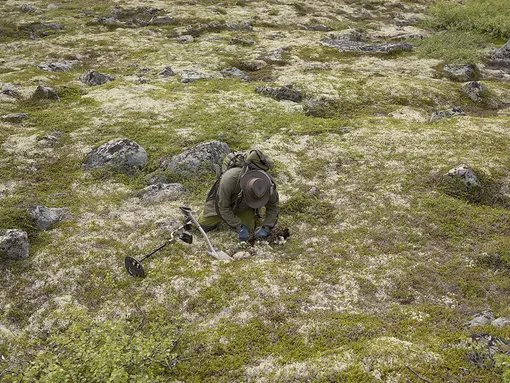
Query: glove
261	233
243	234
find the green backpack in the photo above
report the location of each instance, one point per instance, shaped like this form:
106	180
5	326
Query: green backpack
255	159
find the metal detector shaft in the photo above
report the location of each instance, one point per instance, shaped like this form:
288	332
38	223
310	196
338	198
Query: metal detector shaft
156	250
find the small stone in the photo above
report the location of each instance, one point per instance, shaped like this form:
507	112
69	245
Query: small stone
185	39
45	217
474	90
51	139
241	255
27	8
17	117
93	78
501	56
313	191
14	244
466	174
163	192
284	93
167	72
65	66
255	65
188	76
242	41
44	93
481	319
455	111
233	73
500	322
52	7
462	73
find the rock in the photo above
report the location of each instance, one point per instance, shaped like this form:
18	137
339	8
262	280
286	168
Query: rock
52	7
17	117
474	90
352	35
14	244
164	20
501	56
481	319
51	139
283	93
43	93
234	73
357	46
198	159
93	78
255	65
466	174
167	72
455	111
185	39
500	322
188	76
241	255
462	73
163	192
198	29
242	41
45	217
123	154
109	21
27	8
314	191
10	90
274	56
57	67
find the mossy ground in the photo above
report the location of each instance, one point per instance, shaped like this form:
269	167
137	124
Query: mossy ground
385	264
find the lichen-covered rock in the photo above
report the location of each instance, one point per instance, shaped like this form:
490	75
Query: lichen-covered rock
16	117
500	322
45	217
198	159
274	56
234	73
188	76
466	174
455	111
462	73
346	45
162	192
284	93
51	139
254	65
121	153
481	319
64	66
185	39
474	90
501	56
167	72
44	93
14	244
93	78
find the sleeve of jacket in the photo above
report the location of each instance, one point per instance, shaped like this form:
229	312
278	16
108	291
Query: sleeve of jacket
272	210
226	199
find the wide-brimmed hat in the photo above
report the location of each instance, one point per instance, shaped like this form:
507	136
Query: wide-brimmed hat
256	186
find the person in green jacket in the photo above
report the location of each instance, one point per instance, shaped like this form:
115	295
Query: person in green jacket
238	193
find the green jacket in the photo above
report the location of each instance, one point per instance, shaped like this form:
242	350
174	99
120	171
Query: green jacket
223	200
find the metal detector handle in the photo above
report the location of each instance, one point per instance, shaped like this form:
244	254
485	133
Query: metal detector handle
171	240
189	214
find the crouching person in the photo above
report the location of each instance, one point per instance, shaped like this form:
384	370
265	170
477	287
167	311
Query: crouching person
243	189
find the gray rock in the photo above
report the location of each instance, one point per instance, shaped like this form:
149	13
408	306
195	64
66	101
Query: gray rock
16	117
462	73
274	56
10	90
52	7
27	8
163	20
109	21
163	192
198	159
167	72
314	191
474	90
188	76
352	35
283	93
185	39
234	73
481	319
357	46
466	174
501	56
51	139
44	93
121	153
14	244
242	41
93	78
255	65
64	66
455	111
500	322
45	217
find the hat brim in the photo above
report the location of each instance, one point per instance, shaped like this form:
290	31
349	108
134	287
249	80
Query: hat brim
256	203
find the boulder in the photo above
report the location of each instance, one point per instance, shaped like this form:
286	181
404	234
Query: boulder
198	159
45	217
234	73
121	153
93	78
481	319
167	72
501	56
185	39
474	90
163	192
455	111
188	76
16	117
466	174
64	66
284	93
346	45
44	93
500	322
13	244
462	73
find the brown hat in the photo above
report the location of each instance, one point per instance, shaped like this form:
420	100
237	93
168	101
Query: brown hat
256	186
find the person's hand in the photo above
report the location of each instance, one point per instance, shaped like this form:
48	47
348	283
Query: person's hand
243	234
261	233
